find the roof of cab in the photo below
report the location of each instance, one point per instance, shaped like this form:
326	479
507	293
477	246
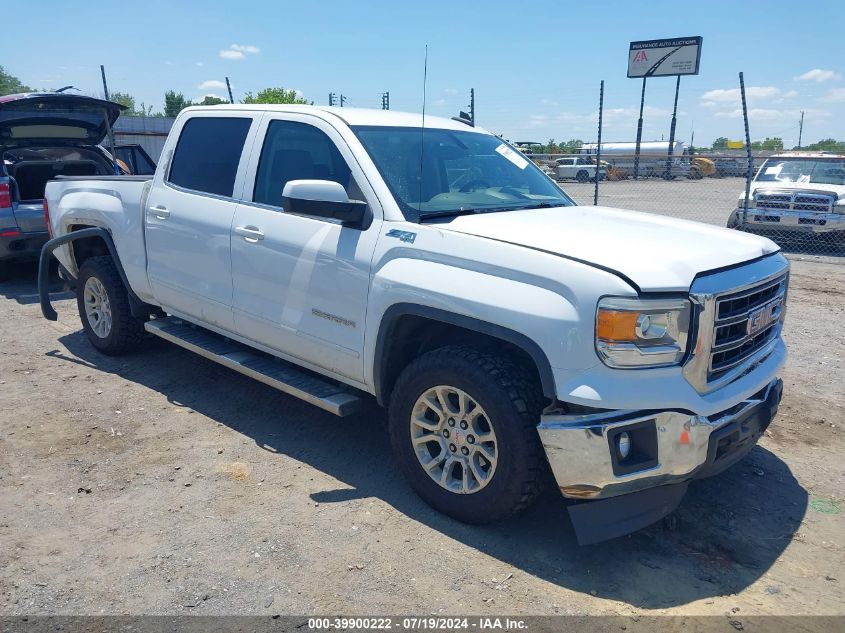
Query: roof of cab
352	116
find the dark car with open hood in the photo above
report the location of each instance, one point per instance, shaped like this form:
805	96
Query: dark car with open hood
42	136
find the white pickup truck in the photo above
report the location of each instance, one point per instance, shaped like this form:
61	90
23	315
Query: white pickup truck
341	254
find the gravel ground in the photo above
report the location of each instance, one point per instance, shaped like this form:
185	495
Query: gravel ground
162	483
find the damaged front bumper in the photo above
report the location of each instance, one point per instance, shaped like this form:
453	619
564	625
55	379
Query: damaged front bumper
628	490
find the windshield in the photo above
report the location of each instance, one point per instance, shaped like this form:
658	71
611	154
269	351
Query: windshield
458	172
822	171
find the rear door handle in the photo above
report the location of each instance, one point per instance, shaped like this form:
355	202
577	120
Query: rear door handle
250	233
160	212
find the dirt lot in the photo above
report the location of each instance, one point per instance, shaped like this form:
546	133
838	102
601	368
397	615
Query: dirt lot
163	483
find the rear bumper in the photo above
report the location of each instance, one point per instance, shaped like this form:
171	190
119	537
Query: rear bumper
780	220
668	449
22	245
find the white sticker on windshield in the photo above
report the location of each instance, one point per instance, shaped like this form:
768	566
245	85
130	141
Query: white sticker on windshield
774	171
512	156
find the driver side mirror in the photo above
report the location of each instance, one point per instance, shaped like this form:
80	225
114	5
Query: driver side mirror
323	199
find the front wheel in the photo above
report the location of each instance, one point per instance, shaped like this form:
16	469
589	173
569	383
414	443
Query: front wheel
104	308
463	429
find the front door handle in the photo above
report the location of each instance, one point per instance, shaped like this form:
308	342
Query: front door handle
250	233
160	212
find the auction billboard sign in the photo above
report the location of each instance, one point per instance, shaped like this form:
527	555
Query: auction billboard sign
664	58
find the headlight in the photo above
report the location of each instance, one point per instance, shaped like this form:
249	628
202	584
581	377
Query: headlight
642	332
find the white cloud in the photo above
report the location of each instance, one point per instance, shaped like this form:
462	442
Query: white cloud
230	54
199	64
169	63
450	91
212	84
245	48
726	95
834	95
440	102
819	75
790	94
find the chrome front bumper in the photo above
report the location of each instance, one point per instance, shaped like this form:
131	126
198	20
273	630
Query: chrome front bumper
582	453
787	220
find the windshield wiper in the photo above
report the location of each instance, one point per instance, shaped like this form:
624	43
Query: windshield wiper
448	213
473	210
539	205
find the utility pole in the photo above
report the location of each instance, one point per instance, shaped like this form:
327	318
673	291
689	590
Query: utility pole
229	88
105	86
331	98
472	105
343	100
800	129
385	100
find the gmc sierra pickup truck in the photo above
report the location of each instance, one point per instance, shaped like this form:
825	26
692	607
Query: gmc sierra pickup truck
340	254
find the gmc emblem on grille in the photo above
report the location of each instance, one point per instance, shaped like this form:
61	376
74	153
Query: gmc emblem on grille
763	317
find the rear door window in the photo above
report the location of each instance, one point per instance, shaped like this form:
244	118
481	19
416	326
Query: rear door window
208	153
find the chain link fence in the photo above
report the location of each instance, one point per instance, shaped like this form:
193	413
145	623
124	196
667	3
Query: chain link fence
793	201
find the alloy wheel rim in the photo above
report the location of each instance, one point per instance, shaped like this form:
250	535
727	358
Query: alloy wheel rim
97	307
453	440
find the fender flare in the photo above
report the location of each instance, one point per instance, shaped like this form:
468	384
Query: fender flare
397	310
44	268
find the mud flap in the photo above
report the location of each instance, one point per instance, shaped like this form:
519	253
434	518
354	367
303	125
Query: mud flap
596	521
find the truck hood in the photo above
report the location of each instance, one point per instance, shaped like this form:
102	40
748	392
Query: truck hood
654	252
35	118
810	187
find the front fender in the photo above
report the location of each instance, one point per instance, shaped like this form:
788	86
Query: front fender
539	321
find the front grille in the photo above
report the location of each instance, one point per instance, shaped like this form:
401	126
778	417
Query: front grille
733	342
795	201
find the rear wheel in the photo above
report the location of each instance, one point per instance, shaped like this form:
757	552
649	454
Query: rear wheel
104	308
582	176
463	429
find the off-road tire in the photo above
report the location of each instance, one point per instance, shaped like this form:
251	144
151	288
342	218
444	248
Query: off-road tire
513	402
126	331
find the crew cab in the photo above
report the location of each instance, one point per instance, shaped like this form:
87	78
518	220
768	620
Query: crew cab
345	254
796	193
577	168
44	135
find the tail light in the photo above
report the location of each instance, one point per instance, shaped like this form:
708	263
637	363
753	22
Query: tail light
5	196
47	219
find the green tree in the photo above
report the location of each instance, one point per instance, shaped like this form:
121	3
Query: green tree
274	95
571	146
775	143
720	143
211	100
124	99
826	145
174	103
9	84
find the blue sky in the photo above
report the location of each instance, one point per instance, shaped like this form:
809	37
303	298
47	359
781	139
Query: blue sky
535	66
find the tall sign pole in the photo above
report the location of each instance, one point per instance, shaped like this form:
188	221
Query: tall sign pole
662	58
672	131
639	134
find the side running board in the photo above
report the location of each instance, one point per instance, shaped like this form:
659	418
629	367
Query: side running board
333	397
